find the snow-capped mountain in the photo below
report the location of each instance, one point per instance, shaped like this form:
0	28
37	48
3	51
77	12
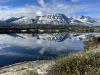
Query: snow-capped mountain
54	19
61	19
24	20
12	19
19	20
83	20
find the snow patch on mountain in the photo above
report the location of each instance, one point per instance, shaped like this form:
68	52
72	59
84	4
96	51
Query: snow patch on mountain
54	19
24	20
83	20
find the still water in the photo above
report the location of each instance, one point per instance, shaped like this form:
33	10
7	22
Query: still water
24	47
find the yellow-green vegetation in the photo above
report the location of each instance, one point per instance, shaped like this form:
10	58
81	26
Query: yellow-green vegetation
32	72
82	63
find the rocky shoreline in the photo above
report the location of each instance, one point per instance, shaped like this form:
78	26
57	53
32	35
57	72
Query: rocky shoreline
26	68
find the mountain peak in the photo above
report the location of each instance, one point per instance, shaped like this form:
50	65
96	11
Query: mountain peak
84	20
54	19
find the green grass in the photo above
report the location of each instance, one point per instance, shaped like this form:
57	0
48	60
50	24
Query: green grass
82	63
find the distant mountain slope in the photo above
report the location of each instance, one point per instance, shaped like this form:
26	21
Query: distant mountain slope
24	20
84	20
53	19
12	19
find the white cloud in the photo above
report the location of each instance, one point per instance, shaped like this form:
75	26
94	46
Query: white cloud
39	12
61	7
41	2
7	12
31	10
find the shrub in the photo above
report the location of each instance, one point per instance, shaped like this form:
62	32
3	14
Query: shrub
83	63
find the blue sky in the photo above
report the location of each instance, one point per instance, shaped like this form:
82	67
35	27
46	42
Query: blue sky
9	8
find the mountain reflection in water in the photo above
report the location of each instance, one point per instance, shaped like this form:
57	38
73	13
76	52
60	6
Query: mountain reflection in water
23	47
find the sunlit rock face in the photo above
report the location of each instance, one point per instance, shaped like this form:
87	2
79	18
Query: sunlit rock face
55	19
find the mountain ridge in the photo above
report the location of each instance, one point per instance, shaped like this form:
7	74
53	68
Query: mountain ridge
54	19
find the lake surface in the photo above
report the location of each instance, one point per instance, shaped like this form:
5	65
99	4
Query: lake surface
25	47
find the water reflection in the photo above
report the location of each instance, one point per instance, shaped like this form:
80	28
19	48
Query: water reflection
21	47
